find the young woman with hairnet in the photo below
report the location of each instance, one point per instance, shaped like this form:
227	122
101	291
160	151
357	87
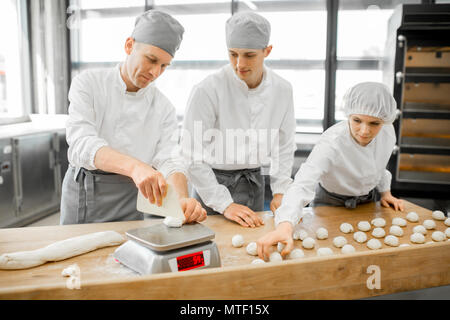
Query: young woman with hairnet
346	167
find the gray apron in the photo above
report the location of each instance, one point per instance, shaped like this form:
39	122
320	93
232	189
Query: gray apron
326	198
246	187
97	196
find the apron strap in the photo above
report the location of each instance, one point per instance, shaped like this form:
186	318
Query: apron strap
85	193
251	175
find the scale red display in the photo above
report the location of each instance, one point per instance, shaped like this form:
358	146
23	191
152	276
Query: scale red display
190	261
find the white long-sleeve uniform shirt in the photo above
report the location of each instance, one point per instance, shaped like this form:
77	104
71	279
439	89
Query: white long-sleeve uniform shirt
140	125
222	106
341	166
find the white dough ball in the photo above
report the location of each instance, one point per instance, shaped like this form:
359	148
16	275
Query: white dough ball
447	232
417	238
348	248
429	224
399	222
374	244
404	245
360	237
346	227
438	236
275	256
322	233
438	215
391	240
378	222
258	261
308	243
173	222
280	246
412	216
324	251
420	229
396	231
237	241
339	242
299	235
296	254
378	232
447	222
364	225
252	249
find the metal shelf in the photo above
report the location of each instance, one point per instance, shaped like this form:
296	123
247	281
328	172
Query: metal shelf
425	145
424	177
425	111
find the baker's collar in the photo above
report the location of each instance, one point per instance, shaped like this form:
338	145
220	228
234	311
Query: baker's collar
123	87
264	82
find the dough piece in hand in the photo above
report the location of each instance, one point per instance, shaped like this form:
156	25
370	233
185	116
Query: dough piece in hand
420	229
374	244
412	217
399	222
378	233
364	225
296	254
322	233
252	249
429	224
378	222
438	215
447	232
324	251
346	227
275	256
300	235
71	270
280	246
258	261
237	241
438	236
60	250
396	231
308	243
360	236
173	222
417	238
447	222
339	242
391	240
348	248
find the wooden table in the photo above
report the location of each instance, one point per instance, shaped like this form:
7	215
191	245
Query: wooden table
333	277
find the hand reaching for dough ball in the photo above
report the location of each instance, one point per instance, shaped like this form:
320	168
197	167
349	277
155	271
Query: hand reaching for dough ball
282	234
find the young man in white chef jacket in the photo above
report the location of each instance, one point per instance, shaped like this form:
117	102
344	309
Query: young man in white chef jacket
238	120
346	167
120	132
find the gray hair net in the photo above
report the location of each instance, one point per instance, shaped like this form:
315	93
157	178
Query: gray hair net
247	30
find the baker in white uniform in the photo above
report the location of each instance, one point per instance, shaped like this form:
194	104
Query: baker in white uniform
120	131
346	167
238	120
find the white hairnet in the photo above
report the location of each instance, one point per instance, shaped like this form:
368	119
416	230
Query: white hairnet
371	99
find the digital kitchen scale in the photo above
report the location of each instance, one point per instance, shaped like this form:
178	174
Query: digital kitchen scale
159	248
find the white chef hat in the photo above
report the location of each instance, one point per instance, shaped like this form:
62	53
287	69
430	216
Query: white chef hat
372	99
247	30
158	29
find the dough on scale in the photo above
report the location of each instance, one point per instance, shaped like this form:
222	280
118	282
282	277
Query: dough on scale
348	248
308	243
237	241
173	222
399	222
339	242
322	233
417	238
378	222
296	254
252	249
374	244
438	236
438	215
60	250
346	227
412	217
420	229
378	232
396	231
429	224
391	240
364	225
360	236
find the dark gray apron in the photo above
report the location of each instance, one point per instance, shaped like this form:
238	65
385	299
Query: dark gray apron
326	198
97	196
246	187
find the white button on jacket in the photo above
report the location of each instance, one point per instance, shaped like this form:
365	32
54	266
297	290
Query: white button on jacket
341	166
141	125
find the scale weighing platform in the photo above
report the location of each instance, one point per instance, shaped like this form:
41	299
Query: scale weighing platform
159	248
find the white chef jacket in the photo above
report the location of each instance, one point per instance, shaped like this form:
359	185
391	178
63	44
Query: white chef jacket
341	166
223	101
142	125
